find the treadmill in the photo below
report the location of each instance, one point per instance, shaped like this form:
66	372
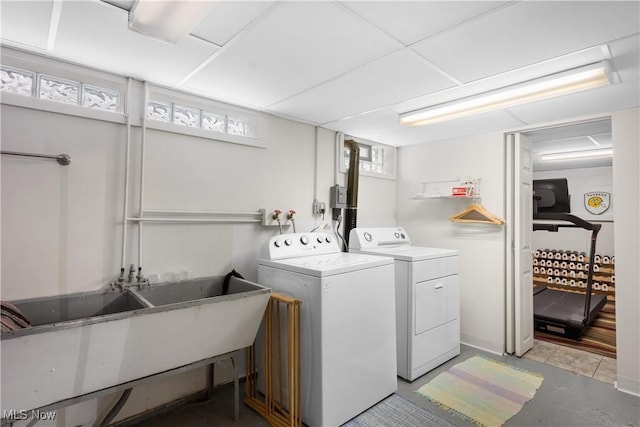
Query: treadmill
560	312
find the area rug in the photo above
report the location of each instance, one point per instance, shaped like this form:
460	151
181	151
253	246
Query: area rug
397	412
598	338
482	390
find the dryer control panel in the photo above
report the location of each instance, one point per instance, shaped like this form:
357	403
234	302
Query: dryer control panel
366	238
294	245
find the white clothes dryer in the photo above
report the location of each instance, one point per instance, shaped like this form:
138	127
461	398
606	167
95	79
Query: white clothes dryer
347	331
427	297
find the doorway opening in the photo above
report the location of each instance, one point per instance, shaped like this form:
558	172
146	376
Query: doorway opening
560	259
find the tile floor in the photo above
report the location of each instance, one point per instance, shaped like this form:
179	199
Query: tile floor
581	362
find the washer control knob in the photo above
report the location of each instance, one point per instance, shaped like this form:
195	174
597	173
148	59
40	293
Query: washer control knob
287	242
320	239
397	235
328	239
367	236
304	240
277	243
402	235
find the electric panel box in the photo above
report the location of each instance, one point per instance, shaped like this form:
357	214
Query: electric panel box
338	197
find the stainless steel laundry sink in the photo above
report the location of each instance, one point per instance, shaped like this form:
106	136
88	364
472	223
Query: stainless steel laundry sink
80	307
193	290
81	343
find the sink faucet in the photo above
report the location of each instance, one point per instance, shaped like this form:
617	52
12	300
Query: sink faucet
141	281
123	283
120	283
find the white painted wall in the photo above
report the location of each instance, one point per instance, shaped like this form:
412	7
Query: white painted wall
581	180
62	226
481	246
626	181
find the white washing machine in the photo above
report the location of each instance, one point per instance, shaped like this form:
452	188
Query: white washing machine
348	332
427	297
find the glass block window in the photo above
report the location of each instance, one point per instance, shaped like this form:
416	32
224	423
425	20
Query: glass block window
214	122
186	116
203	119
372	159
236	127
160	111
58	90
377	159
17	81
51	88
100	98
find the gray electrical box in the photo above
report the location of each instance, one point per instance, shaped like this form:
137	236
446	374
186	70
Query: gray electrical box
337	197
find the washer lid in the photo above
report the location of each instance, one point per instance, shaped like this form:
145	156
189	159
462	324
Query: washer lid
328	264
410	253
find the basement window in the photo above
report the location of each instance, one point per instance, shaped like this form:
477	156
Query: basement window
200	117
57	89
17	81
376	159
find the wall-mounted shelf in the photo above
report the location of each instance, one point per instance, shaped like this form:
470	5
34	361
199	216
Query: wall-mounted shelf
447	189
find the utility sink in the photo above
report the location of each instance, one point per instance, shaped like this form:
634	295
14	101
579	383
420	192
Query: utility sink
190	291
81	343
52	311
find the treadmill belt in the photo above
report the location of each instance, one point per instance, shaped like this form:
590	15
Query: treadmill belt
564	309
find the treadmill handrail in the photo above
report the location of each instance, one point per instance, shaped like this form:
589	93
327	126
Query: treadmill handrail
557	216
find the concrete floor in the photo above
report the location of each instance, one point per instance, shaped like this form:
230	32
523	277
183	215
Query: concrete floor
565	399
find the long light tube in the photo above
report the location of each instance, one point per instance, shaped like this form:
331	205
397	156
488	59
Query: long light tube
577	155
575	80
167	20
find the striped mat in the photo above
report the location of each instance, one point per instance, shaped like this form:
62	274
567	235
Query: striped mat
397	412
598	338
482	390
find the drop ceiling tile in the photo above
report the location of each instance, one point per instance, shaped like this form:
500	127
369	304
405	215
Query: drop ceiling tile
96	34
528	32
394	78
297	45
575	130
411	21
578	143
376	125
227	18
592	102
25	23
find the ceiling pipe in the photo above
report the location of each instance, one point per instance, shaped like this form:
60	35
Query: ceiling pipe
351	211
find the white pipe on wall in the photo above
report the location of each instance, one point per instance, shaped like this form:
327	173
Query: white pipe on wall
212	213
211	220
315	166
339	138
198	216
126	174
143	142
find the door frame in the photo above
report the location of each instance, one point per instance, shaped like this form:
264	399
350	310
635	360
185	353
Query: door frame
511	311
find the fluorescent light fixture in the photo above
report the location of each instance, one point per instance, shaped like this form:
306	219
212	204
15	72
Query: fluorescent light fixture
577	155
570	81
167	20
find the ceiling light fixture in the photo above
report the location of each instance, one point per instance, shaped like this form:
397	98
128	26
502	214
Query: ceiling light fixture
577	155
570	81
167	20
